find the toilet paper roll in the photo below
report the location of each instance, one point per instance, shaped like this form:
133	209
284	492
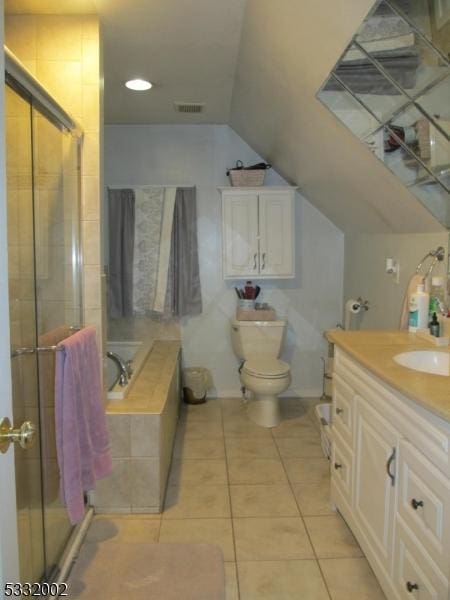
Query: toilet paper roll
352	307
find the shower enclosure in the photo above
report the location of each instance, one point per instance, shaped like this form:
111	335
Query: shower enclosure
43	199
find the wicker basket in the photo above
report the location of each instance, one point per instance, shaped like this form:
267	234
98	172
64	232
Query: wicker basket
247	177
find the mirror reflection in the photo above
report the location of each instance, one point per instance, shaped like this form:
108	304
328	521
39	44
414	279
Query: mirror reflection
391	87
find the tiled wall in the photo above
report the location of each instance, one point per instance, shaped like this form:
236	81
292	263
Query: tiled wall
63	52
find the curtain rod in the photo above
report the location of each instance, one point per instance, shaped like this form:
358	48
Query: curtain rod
134	185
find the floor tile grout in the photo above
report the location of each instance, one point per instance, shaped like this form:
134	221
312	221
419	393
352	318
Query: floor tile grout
306	530
230	528
236	570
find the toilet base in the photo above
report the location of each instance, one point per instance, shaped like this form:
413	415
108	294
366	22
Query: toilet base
264	411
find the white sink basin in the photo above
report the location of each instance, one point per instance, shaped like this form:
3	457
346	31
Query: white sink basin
427	361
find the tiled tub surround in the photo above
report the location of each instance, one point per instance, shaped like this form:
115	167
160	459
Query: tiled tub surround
142	429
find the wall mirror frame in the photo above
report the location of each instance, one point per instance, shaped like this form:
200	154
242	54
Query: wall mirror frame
391	88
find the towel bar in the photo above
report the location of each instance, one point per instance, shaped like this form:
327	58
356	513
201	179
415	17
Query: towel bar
56	348
20	351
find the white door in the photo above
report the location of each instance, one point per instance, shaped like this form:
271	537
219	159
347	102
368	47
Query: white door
240	234
376	451
9	557
276	234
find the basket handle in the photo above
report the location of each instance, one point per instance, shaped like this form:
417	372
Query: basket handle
239	164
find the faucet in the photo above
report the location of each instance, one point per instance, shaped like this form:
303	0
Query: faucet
124	368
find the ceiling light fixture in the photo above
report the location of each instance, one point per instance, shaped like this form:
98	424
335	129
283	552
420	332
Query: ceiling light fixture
138	85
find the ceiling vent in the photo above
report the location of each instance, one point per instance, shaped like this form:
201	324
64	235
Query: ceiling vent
189	107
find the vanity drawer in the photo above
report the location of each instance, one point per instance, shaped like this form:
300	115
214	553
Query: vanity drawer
415	575
342	468
424	503
342	419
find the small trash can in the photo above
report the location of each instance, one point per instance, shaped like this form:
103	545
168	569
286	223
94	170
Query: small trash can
195	384
323	413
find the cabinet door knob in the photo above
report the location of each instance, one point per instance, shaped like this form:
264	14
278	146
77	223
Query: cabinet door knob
411	586
339	411
337	466
416	503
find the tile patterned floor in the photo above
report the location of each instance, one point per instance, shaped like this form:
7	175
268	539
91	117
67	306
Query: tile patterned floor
262	496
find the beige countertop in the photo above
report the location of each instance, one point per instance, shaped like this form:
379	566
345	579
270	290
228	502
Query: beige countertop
149	393
375	350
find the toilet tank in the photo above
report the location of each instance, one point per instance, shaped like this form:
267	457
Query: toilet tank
257	338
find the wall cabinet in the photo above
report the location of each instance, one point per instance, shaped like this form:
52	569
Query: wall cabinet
390	479
258	233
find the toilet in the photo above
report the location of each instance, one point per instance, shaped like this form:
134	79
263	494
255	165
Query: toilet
258	344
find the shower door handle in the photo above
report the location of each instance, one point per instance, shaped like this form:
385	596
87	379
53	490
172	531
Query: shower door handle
25	435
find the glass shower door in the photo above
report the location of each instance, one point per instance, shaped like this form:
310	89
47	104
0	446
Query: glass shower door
58	297
43	192
22	299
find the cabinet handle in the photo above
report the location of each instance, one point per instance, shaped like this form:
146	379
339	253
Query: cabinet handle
254	261
337	466
416	503
388	466
411	586
263	256
339	411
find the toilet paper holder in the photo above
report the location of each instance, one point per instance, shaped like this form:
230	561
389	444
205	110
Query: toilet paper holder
353	307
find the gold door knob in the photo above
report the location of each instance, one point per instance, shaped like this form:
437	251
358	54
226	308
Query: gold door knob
25	435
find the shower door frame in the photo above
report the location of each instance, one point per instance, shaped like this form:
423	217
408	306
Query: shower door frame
9	552
42	100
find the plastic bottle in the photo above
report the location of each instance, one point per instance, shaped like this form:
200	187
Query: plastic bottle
437	296
418	309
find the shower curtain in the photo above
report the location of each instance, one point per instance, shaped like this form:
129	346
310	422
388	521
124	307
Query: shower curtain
152	248
121	219
186	296
164	267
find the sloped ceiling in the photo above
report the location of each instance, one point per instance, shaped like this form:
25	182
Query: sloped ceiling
191	50
287	50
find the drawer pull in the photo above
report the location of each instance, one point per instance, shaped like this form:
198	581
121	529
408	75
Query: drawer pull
388	467
337	466
416	503
339	411
411	586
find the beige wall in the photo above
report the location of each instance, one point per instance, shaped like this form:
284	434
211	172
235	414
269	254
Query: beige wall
287	51
365	272
63	52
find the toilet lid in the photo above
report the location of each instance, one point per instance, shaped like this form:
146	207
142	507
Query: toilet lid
266	367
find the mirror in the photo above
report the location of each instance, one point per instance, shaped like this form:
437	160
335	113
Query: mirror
391	88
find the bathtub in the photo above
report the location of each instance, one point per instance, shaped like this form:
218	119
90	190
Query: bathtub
137	352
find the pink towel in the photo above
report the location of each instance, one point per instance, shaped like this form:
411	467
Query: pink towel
81	436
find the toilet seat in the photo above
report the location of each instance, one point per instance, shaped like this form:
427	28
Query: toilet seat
266	367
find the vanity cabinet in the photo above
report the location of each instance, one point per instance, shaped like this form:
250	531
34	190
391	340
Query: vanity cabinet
258	233
390	479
